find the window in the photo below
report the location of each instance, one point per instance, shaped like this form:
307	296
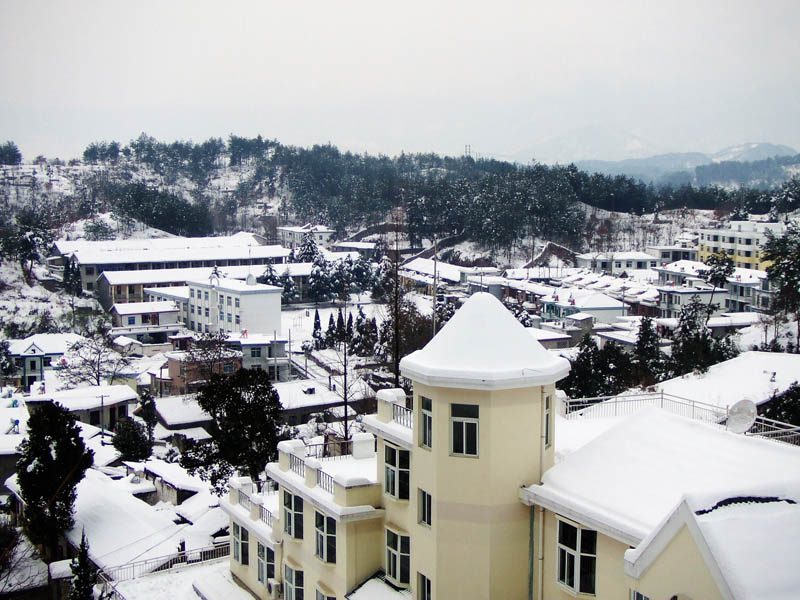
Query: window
191	308
547	421
398	557
131	320
191	292
222	316
205	296
426	431
241	544
424	591
266	563
323	596
396	471
638	596
206	313
293	580
191	325
230	318
577	557
238	320
425	508
33	364
326	537
236	302
293	515
464	421
255	352
89	285
227	368
229	300
90	270
48	360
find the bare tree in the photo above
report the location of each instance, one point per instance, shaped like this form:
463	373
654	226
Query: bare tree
94	359
209	352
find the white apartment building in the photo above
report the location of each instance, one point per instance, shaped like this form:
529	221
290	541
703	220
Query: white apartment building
234	306
616	262
292	236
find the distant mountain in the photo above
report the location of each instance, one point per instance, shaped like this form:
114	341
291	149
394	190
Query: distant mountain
752	151
589	143
756	164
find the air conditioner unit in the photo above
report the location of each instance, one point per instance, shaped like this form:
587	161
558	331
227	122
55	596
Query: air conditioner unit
275	589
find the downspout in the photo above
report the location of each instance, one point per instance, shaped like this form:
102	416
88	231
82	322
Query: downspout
540	541
530	554
540	557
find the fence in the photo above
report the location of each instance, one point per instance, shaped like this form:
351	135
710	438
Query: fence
341	449
244	500
402	415
265	515
297	465
325	481
620	406
164	563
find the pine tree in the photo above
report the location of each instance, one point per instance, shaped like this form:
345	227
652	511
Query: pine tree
341	330
7	366
342	279
308	251
584	379
132	441
349	331
148	413
720	267
330	333
290	291
383	280
647	356
84	575
51	463
319	281
269	277
319	341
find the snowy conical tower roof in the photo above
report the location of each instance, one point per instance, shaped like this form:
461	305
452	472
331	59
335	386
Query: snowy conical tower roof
483	347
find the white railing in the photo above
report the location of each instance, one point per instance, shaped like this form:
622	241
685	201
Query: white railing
620	406
143	567
402	415
297	465
325	481
265	515
244	500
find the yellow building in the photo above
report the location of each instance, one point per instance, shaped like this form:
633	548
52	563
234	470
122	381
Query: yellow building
743	241
484	491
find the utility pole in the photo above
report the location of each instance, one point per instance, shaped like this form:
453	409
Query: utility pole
435	287
102	419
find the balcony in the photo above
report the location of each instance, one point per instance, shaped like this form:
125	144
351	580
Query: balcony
256	511
335	474
394	422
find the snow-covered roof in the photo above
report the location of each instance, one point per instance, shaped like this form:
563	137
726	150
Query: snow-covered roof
119	528
726	528
444	271
546	334
236	285
44	343
176	292
756	376
180	410
293	394
627	480
138	308
356	245
87	398
175	475
186	254
629	255
308	227
483	347
239	239
376	588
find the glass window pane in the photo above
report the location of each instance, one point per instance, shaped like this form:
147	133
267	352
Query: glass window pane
426	403
319	520
587	564
567	535
404	459
405	569
391	539
405	544
570	581
469	411
458	438
403	491
472	438
588	542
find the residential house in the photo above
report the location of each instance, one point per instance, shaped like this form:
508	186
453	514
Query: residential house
36	354
222	304
151	323
101	406
616	262
185	374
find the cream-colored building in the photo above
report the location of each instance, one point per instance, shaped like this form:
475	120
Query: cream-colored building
743	241
484	490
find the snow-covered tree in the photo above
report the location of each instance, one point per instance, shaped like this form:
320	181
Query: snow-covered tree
52	461
269	277
93	360
84	575
319	340
308	250
319	281
291	292
131	440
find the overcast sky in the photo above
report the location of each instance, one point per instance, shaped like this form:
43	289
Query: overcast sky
504	77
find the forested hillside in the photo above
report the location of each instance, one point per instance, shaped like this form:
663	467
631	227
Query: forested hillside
203	188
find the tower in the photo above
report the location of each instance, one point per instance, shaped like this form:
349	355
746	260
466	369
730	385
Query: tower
484	400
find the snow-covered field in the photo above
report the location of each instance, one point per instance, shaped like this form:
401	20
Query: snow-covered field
297	321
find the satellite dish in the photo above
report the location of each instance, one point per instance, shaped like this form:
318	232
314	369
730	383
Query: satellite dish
741	416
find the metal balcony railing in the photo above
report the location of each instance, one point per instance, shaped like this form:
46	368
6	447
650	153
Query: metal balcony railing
325	481
331	450
244	500
402	415
265	515
297	465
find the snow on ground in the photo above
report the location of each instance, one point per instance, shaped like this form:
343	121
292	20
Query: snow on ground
754	335
24	305
137	230
299	319
176	584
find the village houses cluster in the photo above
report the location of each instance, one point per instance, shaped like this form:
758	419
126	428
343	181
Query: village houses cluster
484	481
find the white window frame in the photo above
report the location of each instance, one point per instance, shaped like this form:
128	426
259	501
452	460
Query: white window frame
396	477
292	588
425	516
293	515
424	587
426	423
564	553
265	560
395	558
320	595
464	423
638	596
241	544
325	534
